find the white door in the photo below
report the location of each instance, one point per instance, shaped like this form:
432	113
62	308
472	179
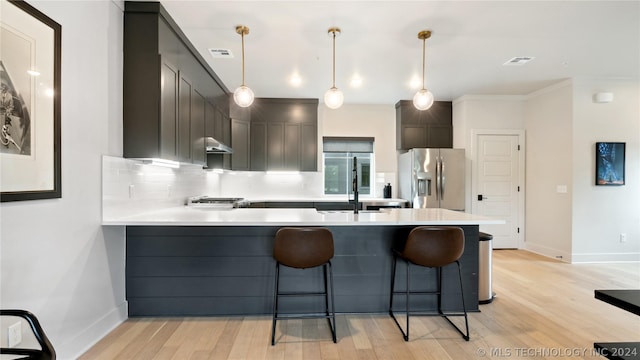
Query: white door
497	187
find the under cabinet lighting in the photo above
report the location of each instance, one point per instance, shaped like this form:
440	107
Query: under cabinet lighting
162	162
275	172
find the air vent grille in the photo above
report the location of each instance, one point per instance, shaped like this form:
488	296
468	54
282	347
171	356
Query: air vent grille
221	53
519	60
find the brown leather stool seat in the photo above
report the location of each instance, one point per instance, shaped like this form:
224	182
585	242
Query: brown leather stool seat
303	248
432	247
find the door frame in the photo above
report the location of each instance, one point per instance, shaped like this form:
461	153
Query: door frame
475	133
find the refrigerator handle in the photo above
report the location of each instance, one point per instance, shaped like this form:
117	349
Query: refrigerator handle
442	179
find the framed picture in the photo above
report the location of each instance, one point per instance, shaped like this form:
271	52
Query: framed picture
30	49
610	163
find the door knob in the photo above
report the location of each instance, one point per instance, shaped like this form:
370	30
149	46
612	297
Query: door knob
480	197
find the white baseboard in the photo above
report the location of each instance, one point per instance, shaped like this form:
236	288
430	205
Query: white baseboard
549	252
77	346
605	257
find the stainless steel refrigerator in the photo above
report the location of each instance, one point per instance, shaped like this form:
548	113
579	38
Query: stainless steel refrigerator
432	178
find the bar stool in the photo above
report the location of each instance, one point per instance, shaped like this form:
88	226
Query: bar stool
432	247
303	248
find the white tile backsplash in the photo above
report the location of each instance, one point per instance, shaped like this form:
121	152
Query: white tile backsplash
259	185
130	187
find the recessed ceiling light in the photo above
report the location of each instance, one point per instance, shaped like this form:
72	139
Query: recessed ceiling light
295	80
415	82
519	60
221	53
356	81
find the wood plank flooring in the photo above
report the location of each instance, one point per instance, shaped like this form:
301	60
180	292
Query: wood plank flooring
544	309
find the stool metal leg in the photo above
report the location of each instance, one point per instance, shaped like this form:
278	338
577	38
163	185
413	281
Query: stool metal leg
405	336
464	308
333	303
275	305
393	282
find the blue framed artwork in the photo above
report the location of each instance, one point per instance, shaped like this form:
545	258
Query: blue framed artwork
610	163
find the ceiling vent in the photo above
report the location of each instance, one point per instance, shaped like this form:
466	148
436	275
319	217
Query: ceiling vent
519	60
221	53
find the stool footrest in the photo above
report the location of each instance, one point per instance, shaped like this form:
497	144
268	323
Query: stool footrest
285	317
416	292
302	294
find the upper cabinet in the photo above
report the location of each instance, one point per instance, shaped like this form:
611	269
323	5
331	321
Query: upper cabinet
240	139
431	128
172	98
284	134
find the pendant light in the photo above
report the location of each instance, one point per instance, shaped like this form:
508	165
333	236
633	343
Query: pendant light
334	98
243	96
423	99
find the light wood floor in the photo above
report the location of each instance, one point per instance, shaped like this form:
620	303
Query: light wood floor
544	309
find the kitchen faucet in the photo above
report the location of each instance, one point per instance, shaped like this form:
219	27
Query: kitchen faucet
354	176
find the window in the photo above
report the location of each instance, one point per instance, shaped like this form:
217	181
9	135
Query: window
338	154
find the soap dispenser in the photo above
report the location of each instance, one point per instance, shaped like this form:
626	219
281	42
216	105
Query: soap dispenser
387	191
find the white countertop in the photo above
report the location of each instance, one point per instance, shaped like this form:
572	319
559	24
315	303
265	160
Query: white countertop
189	216
329	199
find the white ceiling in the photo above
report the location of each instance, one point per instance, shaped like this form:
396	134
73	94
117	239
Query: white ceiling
470	43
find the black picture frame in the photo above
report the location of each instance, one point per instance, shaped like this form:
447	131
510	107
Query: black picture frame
30	69
610	163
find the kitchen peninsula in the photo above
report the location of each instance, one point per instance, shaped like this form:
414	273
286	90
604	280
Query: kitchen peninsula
185	261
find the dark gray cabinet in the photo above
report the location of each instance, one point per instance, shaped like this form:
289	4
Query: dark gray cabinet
168	89
240	138
284	134
168	145
431	128
198	128
184	120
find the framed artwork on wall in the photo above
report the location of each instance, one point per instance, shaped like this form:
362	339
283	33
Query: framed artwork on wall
30	51
610	163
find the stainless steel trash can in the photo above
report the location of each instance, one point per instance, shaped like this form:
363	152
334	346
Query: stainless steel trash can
485	290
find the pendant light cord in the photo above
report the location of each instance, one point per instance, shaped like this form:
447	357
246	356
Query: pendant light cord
424	41
242	34
334	59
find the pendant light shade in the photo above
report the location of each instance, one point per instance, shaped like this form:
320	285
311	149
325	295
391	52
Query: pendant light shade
243	96
423	99
334	98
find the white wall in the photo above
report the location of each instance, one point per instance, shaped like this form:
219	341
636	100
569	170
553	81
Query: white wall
57	260
549	134
482	112
602	213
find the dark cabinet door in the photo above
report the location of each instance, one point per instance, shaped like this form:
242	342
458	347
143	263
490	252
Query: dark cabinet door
292	147
168	111
431	128
240	144
275	146
413	136
210	119
184	120
309	147
198	129
258	146
440	136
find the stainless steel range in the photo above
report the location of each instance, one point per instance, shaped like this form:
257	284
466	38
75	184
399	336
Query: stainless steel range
217	202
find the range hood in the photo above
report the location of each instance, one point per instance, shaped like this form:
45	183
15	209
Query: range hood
214	146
